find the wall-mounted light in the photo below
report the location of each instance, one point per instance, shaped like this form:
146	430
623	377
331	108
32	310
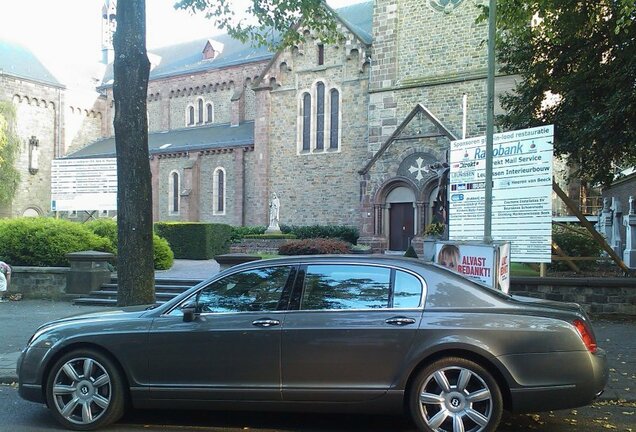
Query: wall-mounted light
34	155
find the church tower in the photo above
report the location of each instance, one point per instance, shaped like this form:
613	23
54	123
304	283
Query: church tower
109	25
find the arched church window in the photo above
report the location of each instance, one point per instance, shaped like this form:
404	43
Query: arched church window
200	106
334	124
320	116
210	113
306	122
173	193
218	191
190	116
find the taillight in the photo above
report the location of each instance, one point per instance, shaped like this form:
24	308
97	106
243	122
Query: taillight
586	334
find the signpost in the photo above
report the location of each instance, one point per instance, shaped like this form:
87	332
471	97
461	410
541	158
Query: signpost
84	184
522	191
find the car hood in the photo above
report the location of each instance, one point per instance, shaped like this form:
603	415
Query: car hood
106	315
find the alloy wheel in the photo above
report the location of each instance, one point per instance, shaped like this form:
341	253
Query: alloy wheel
455	399
82	390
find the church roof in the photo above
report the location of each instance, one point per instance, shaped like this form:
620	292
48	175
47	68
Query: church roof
186	57
359	19
179	140
20	62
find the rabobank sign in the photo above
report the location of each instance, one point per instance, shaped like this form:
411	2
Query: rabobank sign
501	150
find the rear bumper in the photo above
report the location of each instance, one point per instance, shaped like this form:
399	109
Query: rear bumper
556	381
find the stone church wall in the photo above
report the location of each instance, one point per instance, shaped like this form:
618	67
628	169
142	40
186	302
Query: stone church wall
208	165
36	108
317	187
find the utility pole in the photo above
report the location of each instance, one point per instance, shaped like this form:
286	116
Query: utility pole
490	118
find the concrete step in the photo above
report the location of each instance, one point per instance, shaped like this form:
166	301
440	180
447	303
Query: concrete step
165	289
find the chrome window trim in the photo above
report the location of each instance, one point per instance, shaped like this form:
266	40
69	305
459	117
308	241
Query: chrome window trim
182	302
389	266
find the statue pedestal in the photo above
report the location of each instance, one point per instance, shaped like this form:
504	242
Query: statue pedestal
273	229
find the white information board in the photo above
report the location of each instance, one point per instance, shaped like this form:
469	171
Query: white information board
84	184
522	191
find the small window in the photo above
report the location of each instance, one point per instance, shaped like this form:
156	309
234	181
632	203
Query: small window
174	192
346	287
190	116
407	291
321	54
320	116
306	122
218	191
256	290
200	106
334	119
210	113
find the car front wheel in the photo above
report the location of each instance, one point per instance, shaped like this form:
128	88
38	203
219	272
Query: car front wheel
455	395
85	390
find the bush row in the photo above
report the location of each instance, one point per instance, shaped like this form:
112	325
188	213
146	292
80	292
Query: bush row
342	232
317	246
45	241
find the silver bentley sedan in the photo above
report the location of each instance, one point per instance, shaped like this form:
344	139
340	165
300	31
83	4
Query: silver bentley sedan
322	333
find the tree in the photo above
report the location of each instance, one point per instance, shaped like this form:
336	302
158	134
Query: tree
131	73
577	63
276	21
135	269
9	150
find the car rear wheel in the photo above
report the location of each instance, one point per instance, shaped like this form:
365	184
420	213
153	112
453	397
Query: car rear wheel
455	395
85	390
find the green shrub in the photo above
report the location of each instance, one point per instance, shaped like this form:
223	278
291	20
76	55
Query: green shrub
317	246
239	232
575	242
195	240
45	241
163	257
270	236
343	232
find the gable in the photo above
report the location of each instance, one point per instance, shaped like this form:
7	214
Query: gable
419	124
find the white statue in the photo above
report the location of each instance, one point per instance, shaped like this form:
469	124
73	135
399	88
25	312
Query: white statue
274	214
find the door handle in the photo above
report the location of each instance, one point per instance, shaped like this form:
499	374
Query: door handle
265	323
400	321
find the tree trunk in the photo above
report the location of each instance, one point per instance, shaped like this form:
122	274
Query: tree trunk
135	269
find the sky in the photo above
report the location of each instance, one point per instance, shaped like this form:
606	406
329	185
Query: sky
69	31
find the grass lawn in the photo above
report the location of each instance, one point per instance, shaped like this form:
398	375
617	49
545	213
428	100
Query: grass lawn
522	269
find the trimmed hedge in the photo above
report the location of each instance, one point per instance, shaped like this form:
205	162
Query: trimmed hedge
270	236
195	240
343	232
45	242
317	246
239	232
163	257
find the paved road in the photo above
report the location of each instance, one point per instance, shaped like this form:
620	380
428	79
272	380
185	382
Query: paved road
17	415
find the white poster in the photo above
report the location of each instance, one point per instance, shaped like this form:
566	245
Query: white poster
485	263
84	184
522	191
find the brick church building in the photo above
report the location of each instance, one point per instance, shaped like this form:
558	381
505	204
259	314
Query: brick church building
345	133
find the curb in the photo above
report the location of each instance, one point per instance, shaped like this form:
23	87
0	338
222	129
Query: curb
8	379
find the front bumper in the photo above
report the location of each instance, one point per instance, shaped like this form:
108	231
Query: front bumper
30	385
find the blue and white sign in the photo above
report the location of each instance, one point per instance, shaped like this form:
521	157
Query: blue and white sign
522	191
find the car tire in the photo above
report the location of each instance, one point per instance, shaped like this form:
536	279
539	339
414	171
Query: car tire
85	390
454	394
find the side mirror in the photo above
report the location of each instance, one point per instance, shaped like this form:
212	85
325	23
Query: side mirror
189	312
